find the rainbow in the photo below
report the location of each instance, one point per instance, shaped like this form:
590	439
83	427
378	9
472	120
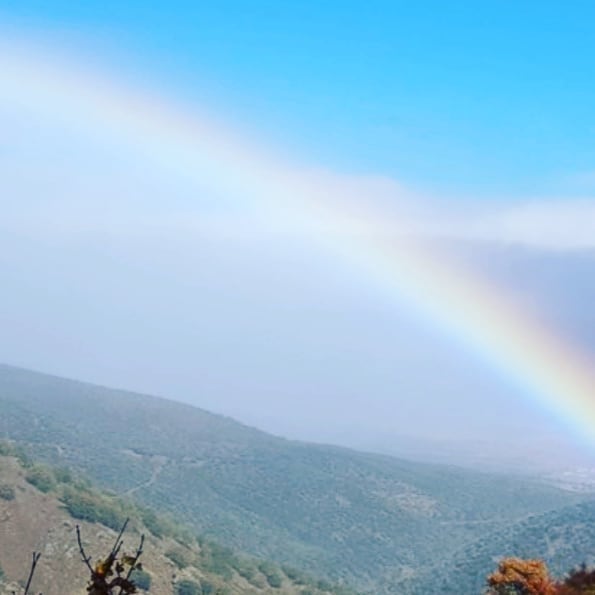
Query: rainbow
536	360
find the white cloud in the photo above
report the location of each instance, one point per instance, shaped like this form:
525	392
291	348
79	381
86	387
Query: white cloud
558	225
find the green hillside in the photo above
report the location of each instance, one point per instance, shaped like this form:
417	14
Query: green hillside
40	507
562	538
377	522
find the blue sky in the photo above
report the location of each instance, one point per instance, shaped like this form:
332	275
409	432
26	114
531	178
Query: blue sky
488	99
483	110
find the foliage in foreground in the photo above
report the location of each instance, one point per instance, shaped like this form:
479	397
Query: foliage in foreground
112	575
515	576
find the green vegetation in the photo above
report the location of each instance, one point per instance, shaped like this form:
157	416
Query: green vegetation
380	523
153	523
63	475
7	492
188	587
207	588
178	557
88	505
272	574
42	478
559	537
141	579
84	502
219	560
246	569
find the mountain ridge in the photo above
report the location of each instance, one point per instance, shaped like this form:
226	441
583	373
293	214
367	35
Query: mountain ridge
372	520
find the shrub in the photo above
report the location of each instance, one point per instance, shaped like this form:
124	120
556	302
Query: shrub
22	456
63	475
187	587
245	569
7	492
272	574
92	507
274	580
153	523
218	560
42	478
6	448
324	585
178	557
141	579
294	575
579	580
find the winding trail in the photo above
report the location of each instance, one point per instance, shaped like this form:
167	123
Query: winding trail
158	462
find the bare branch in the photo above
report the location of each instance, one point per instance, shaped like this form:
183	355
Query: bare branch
137	555
86	559
99	583
35	559
118	542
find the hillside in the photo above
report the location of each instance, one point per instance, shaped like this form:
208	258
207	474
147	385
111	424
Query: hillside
562	538
377	522
36	518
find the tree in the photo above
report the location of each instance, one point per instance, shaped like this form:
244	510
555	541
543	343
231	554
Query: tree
530	577
521	577
580	580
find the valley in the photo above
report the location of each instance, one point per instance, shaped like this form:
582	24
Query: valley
377	523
